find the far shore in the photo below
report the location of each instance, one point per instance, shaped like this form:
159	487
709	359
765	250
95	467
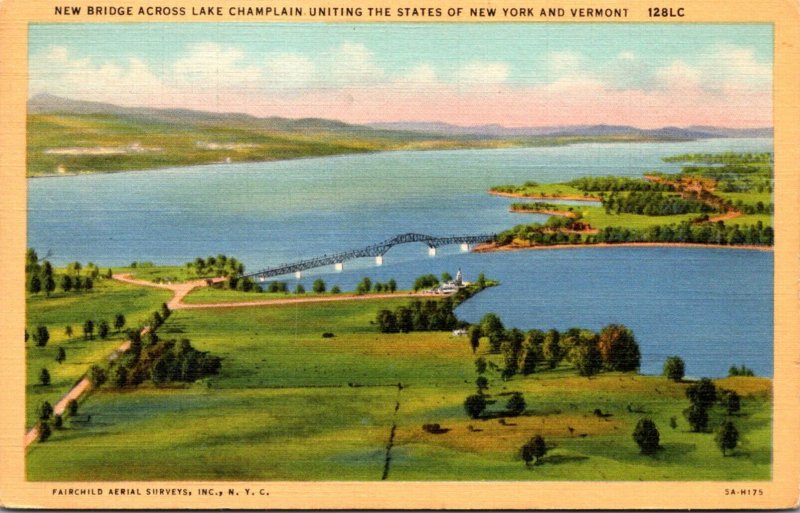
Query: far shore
491	248
538	197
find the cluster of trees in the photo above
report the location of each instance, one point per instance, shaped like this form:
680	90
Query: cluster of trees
430	315
617	183
689	232
162	362
366	285
40	276
759	208
47	414
614	348
703	395
651	203
220	265
741	370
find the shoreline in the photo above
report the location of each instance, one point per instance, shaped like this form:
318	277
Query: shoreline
538	197
491	248
558	213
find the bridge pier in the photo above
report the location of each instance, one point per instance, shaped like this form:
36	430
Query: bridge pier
339	266
379	260
431	251
464	247
298	274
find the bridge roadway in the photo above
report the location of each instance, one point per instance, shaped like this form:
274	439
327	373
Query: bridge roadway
375	250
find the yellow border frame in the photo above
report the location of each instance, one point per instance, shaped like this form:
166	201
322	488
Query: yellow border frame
780	492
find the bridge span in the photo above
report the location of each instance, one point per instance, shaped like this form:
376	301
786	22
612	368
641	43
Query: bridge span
376	251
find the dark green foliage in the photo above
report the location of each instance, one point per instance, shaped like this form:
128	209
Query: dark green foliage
702	394
68	331
299	289
618	348
41	336
97	375
45	410
430	315
492	327
587	359
480	365
72	407
515	405
58	422
120	377
328	334
740	371
426	281
277	286
731	401
533	450
674	368
616	183
727	437
318	286
646	436
65	282
482	383
673	422
61	355
34	284
551	348
163	362
216	266
697	418
119	322
364	286
655	204
337	290
392	284
475	335
474	405
44	431
103	329
44	377
387	321
88	329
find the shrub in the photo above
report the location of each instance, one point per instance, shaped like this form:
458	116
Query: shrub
646	436
674	368
515	405
533	450
474	405
328	334
727	437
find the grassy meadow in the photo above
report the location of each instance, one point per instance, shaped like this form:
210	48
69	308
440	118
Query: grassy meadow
290	404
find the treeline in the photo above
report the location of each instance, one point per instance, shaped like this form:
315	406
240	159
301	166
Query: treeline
728	157
41	277
616	184
614	348
690	232
654	204
759	208
429	315
220	265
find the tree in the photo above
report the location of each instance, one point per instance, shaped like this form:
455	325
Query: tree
618	348
731	401
529	358
165	311
44	432
88	329
392	285
48	284
31	261
482	383
336	289
474	405
72	407
364	286
41	336
588	359
474	337
121	377
156	320
44	377
727	437
58	422
551	348
387	321
646	436
103	329
45	411
61	355
34	284
446	276
480	365
515	404
68	331
481	281
674	368
65	282
119	322
697	418
97	375
702	394
533	450
318	286
492	327
88	284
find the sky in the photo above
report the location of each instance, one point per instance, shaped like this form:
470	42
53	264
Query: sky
513	74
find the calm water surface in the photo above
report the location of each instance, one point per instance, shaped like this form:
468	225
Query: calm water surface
712	307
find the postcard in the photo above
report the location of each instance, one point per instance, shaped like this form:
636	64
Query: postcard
398	255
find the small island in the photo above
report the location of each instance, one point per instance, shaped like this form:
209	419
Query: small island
696	206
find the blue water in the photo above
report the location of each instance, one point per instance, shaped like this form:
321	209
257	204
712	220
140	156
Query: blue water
712	307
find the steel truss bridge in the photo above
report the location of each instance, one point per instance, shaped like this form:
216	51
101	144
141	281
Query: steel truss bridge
375	251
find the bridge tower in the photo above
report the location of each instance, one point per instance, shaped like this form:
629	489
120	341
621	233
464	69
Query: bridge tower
464	247
379	260
339	266
432	251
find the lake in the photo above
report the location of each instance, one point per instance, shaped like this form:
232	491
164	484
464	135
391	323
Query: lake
713	307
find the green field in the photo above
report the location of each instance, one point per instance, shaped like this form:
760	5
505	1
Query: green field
105	300
290	404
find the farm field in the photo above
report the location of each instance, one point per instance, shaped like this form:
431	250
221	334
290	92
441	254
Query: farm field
290	404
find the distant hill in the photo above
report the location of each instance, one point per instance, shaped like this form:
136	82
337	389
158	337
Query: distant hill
71	136
499	131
